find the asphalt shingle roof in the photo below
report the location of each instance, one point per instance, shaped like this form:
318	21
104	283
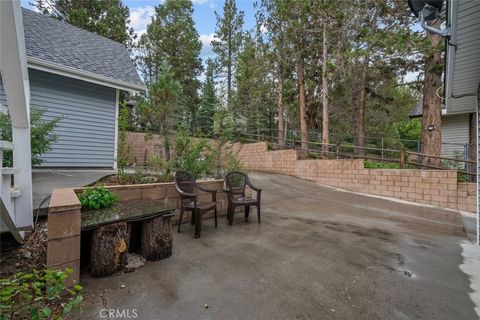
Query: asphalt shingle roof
58	42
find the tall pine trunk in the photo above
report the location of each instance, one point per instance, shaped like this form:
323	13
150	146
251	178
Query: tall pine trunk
361	107
229	76
432	115
281	122
325	116
301	94
360	140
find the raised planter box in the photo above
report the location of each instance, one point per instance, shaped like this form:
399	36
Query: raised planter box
64	217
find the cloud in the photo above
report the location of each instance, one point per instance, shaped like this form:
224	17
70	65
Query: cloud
206	40
211	3
263	28
140	17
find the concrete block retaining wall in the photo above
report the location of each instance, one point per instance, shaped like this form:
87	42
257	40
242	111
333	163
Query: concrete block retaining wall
143	147
433	187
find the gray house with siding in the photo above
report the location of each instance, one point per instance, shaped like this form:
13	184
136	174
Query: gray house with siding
458	132
462	68
77	75
462	73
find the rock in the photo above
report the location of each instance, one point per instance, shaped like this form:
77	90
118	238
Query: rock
134	261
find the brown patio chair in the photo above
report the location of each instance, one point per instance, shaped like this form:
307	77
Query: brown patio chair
186	185
235	184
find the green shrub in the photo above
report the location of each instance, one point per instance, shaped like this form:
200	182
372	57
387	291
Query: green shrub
41	133
192	156
232	163
123	148
159	166
97	198
380	165
39	295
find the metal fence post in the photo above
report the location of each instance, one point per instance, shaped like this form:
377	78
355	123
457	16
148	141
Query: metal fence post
382	149
402	159
466	156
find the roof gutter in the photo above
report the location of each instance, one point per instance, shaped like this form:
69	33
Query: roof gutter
56	68
451	50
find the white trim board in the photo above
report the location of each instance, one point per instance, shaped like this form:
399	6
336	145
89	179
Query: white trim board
87	76
117	110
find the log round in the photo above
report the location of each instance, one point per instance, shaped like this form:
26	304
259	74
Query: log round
157	238
109	249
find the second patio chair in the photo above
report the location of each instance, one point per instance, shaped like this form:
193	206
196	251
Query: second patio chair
235	185
186	185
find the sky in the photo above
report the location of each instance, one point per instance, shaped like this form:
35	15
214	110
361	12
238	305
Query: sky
203	15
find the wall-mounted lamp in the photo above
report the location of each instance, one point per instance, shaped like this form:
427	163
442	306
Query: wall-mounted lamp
428	10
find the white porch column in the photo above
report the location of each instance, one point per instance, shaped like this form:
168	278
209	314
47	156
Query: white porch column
14	72
23	179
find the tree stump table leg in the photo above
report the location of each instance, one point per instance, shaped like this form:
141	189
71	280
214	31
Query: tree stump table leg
157	238
108	249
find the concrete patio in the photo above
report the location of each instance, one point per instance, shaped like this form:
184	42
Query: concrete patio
319	253
45	180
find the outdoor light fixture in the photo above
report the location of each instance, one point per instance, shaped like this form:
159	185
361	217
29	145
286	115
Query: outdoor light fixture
428	10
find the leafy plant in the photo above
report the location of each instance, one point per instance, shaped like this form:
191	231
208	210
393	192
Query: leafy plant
39	295
41	133
158	109
159	166
192	156
380	165
139	176
312	155
232	163
222	153
123	147
97	198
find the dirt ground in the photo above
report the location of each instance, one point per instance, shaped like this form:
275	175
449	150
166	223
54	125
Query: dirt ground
32	254
319	253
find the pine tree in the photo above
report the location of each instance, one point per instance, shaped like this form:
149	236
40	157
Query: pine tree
229	36
106	18
273	19
158	108
172	37
209	100
432	114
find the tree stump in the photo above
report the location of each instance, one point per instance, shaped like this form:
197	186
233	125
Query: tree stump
108	249
157	238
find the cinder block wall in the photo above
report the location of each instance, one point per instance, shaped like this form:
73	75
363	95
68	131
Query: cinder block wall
467	196
433	187
142	147
63	239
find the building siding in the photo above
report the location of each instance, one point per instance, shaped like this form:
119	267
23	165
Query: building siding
478	165
466	64
86	128
455	134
